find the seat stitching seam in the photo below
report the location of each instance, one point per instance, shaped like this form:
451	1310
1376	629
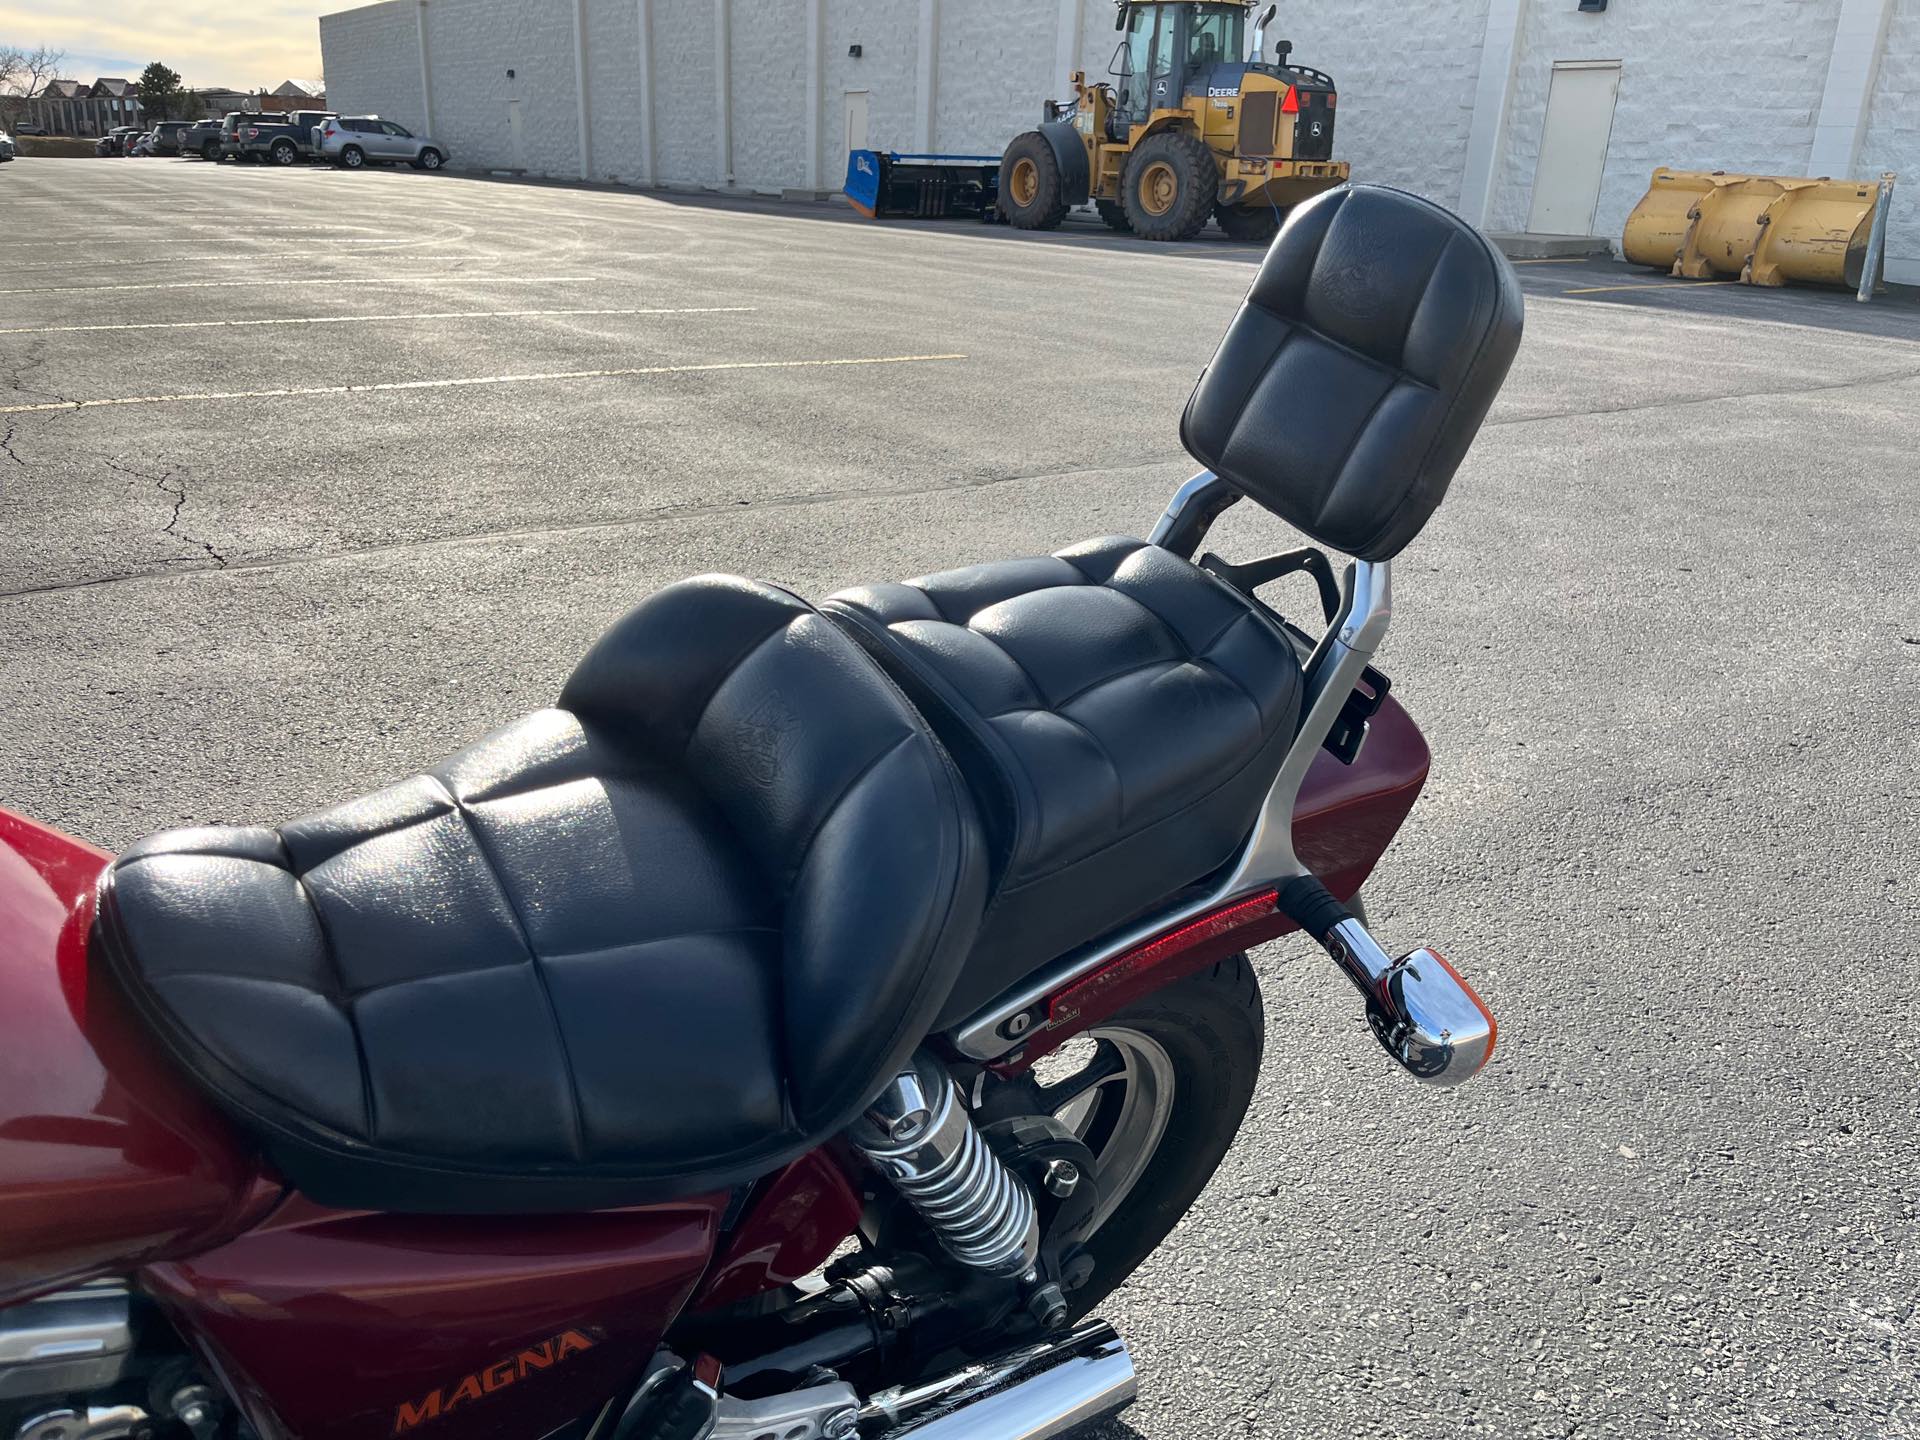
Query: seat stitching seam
1027	882
1128	673
1346	457
1489	254
533	958
367	1105
362	835
804	851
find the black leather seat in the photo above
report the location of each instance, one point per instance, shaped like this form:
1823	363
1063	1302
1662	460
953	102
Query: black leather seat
655	940
1119	714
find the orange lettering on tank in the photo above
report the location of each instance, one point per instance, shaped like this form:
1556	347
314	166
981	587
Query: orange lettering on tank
497	1376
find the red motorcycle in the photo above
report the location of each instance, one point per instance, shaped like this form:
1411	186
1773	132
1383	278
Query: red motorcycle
799	1028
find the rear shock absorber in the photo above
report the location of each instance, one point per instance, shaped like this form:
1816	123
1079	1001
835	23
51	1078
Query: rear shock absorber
919	1135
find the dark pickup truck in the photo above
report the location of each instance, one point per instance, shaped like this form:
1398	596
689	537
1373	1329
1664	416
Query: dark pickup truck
282	139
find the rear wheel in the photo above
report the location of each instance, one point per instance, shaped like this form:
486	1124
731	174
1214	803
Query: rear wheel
1115	214
1157	1092
429	159
211	151
283	152
1249	224
353	157
1032	194
1169	186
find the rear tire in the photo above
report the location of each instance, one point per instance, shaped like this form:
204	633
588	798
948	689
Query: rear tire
1249	224
211	151
1032	195
429	159
1115	215
353	157
1205	1034
1169	186
283	152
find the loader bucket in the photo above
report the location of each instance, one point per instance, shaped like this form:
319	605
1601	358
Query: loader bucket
1758	229
883	186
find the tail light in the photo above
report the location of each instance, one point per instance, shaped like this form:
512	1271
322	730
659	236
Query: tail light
1291	105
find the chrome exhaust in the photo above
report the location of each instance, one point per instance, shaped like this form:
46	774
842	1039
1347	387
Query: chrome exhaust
1033	1393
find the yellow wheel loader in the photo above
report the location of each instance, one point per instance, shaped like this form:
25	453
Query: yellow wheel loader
1186	130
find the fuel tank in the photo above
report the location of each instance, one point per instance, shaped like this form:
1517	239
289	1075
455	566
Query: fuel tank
107	1159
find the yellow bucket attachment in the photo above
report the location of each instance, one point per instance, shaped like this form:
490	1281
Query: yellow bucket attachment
1759	229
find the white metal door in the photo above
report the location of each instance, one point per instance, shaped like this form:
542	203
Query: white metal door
856	120
1573	147
516	135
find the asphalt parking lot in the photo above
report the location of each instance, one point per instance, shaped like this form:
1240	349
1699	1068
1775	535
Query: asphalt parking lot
307	478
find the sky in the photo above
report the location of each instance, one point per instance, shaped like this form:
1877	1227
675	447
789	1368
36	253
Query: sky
245	46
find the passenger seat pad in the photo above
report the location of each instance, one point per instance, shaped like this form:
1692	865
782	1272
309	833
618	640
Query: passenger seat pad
1119	713
655	940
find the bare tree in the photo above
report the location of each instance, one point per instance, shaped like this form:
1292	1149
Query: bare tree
25	73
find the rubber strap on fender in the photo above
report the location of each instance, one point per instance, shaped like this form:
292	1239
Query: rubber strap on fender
1305	901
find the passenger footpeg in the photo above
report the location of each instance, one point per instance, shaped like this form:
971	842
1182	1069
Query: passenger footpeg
1422	1011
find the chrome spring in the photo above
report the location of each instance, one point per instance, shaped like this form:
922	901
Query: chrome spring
921	1138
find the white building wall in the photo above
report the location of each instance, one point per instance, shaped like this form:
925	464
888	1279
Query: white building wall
376	52
995	70
684	91
1893	138
1406	77
888	34
769	81
471	44
614	90
1696	92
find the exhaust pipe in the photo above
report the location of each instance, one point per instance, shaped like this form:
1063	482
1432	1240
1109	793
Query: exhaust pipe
1034	1393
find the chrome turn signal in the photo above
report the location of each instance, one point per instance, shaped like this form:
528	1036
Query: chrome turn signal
1422	1011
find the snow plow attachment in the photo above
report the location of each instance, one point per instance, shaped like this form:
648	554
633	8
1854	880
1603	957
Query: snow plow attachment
1758	229
885	186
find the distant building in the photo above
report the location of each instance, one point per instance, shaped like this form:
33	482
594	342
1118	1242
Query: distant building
69	107
309	90
218	102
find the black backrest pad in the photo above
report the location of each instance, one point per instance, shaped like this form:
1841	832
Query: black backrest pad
1359	368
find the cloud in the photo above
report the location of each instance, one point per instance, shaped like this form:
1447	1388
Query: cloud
210	42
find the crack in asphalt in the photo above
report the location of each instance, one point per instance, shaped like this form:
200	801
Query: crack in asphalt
173	485
660	515
796	499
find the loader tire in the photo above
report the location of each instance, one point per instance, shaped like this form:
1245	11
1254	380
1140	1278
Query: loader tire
1032	194
1249	224
1115	214
1170	185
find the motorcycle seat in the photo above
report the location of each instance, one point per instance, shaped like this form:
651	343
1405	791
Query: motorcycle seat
1119	713
652	941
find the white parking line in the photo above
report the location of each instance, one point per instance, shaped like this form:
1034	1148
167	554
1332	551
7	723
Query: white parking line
530	379
367	319
282	281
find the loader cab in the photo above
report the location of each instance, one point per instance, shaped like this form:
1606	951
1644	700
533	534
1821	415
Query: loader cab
1166	51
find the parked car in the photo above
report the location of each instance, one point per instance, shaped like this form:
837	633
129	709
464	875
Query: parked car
117	141
6	146
202	139
295	136
234	128
166	136
356	140
29	127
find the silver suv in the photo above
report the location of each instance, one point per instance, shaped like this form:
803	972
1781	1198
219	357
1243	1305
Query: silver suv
356	140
